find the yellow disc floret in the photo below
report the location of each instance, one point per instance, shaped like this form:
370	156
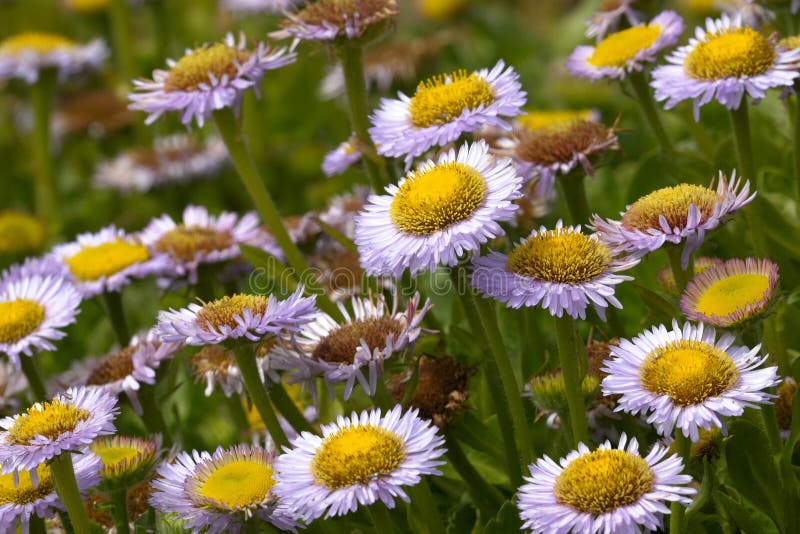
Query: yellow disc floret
22	491
673	204
20	232
36	42
688	371
195	68
18	318
48	419
603	480
355	455
435	198
221	312
441	99
186	242
563	256
733	293
731	53
619	48
94	262
238	484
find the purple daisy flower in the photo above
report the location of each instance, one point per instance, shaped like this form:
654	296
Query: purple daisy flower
345	156
438	212
685	212
69	422
724	61
445	107
43	266
628	50
561	270
240	316
25	55
208	78
328	20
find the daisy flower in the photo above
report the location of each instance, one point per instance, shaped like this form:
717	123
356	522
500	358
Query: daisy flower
731	293
23	495
126	461
33	266
21	232
199	238
357	461
666	278
605	490
438	212
68	422
355	349
208	78
251	317
562	270
329	20
26	55
687	378
106	261
628	50
608	17
445	107
217	365
256	6
723	62
219	492
681	213
342	210
342	158
174	159
94	113
34	310
751	13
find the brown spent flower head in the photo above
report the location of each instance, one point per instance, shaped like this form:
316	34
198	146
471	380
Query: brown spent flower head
350	18
597	352
100	513
340	345
95	112
340	272
442	388
213	359
561	142
113	367
783	404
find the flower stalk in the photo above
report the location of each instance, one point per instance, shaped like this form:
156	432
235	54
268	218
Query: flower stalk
116	314
574	186
30	369
682	276
63	474
641	91
119	502
683	447
572	355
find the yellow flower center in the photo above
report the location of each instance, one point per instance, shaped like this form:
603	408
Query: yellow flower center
790	43
196	67
39	43
20	232
112	456
18	318
561	141
24	491
239	483
673	204
688	371
603	480
731	53
113	367
441	99
533	120
95	262
122	455
355	455
222	311
186	242
732	293
563	256
340	345
619	48
433	199
48	419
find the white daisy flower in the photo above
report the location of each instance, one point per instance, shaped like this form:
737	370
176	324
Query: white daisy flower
25	55
342	158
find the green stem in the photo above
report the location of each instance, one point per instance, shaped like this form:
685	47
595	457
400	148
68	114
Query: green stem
681	276
31	370
36	525
575	195
63	475
797	144
42	93
246	361
510	386
351	56
231	133
119	502
123	42
572	355
425	505
152	413
683	447
116	314
381	521
770	418
486	497
641	90
288	409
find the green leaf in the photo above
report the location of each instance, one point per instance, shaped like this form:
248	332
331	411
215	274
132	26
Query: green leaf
462	519
507	520
748	518
660	306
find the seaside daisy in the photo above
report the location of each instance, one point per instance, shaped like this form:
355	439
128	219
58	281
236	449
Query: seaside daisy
106	261
68	422
675	214
443	108
732	293
626	51
26	55
438	212
217	366
353	350
357	461
342	158
126	461
666	278
232	318
175	159
219	492
609	16
687	378
342	210
606	490
28	493
724	61
562	270
330	20
206	79
21	232
34	310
